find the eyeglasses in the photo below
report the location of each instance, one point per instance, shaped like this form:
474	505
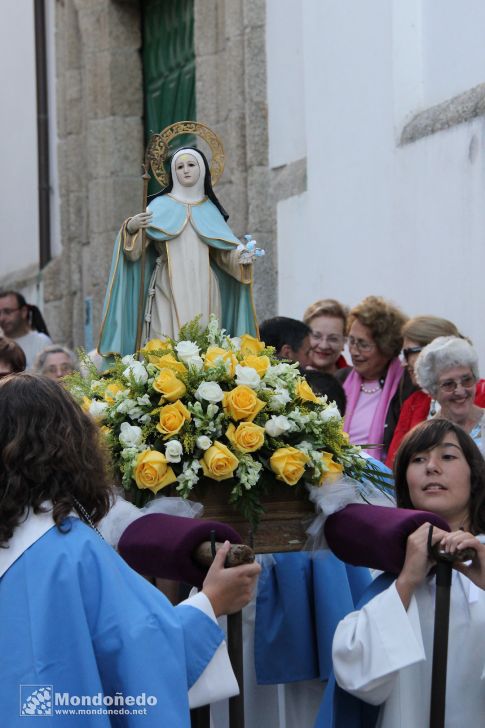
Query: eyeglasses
333	340
9	311
360	344
411	350
61	369
467	381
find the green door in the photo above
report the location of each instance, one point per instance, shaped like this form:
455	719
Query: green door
168	65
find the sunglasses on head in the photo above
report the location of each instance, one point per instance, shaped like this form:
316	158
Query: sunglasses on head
411	350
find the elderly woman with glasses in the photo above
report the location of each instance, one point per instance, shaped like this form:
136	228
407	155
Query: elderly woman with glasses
327	320
417	333
374	386
447	369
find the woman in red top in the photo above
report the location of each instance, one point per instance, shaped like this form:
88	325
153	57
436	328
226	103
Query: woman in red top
417	333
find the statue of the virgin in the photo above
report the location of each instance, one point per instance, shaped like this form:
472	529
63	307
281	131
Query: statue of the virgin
188	266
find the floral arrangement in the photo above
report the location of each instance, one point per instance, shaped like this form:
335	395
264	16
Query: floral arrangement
218	407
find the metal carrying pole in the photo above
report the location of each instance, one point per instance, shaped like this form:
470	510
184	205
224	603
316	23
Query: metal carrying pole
440	644
441	627
239	554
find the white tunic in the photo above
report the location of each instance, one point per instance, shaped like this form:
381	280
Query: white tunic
383	655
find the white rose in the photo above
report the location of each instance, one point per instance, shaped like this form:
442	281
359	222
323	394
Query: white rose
236	343
247	376
187	350
276	426
97	409
203	442
130	435
330	413
173	451
136	368
210	391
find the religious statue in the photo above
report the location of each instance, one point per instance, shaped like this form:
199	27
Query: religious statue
179	258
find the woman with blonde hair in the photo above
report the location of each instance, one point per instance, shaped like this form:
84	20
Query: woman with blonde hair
327	320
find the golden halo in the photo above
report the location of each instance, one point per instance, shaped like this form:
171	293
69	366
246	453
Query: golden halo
158	149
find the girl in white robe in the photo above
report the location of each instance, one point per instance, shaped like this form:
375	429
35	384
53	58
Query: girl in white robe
382	654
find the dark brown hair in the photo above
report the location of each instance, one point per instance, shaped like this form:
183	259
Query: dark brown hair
427	436
36	320
12	354
49	450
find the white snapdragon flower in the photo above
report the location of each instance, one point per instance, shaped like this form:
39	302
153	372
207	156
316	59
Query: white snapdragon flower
129	407
330	413
236	343
137	370
187	352
203	442
97	409
130	435
248	377
173	451
210	391
280	398
145	400
277	425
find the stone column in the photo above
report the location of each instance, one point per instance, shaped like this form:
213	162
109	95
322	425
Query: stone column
100	125
229	37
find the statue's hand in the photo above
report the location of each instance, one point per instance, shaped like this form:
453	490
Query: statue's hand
142	220
248	251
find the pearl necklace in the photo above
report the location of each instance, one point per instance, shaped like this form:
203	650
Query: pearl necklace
370	391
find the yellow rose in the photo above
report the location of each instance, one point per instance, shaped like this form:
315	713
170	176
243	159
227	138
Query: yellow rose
169	385
260	363
248	437
172	419
333	469
288	464
111	391
153	471
85	404
168	361
305	392
242	403
219	463
214	355
250	345
155	345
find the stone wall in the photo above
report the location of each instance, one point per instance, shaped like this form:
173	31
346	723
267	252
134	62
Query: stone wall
99	96
100	131
229	38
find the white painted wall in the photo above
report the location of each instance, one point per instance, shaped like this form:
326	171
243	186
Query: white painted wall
406	222
18	138
285	81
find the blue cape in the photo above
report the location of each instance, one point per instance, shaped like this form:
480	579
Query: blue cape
75	617
339	709
120	310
